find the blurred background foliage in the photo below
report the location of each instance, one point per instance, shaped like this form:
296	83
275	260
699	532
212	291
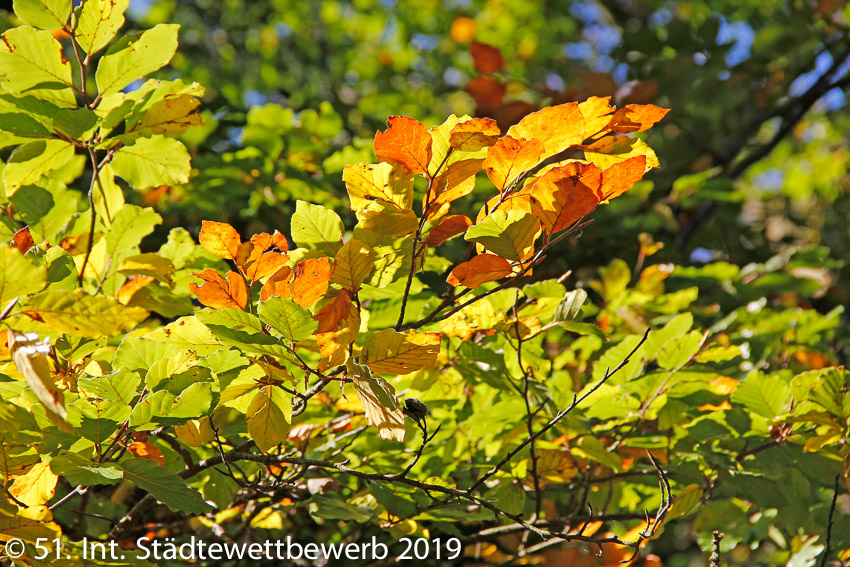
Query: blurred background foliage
751	203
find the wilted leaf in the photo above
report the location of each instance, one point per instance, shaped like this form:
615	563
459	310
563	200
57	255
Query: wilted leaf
218	292
220	238
30	358
258	258
405	142
481	269
620	177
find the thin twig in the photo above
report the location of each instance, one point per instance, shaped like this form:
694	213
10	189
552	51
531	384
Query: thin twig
830	524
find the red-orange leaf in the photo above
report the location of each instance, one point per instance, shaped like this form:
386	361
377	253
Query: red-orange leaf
637	118
480	270
406	142
472	135
22	240
486	58
221	239
146	451
218	292
621	177
487	92
565	194
256	261
557	128
448	227
509	157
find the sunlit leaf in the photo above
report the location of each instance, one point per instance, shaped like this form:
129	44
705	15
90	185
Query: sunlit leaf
400	353
479	270
127	61
217	292
99	21
405	142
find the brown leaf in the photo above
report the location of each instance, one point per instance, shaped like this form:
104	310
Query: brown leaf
220	238
405	142
486	58
637	118
22	240
510	157
218	292
448	227
480	270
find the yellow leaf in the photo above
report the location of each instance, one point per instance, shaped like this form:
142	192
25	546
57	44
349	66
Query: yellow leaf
555	127
614	149
172	115
269	414
30	358
194	432
36	487
378	399
28	524
220	238
381	182
400	353
352	265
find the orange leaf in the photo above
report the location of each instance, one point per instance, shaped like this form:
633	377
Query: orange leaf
130	287
556	127
462	30
218	293
221	239
510	157
486	58
254	259
724	405
406	142
480	270
310	281
621	177
564	195
487	92
146	451
637	118
22	240
448	227
472	135
330	314
277	285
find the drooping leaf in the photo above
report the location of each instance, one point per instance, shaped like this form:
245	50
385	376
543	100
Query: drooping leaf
352	265
479	270
130	60
317	227
153	161
509	234
570	305
269	415
30	358
43	14
33	160
166	487
377	397
218	292
400	353
405	142
99	21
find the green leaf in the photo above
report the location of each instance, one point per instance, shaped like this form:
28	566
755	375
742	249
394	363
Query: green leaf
187	333
130	60
269	415
19	276
679	350
33	58
33	160
166	487
75	313
130	225
78	123
153	161
570	305
45	212
763	395
79	470
44	14
119	387
317	227
292	321
510	234
99	21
